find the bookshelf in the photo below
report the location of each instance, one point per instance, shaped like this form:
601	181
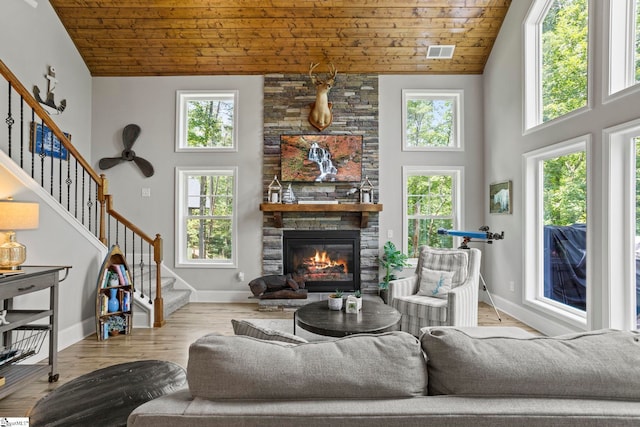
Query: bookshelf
114	296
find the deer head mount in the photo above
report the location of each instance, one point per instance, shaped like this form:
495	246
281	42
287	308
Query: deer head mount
321	116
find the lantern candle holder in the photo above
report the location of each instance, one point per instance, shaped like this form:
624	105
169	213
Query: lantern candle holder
274	194
366	191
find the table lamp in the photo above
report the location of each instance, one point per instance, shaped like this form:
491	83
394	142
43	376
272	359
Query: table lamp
15	216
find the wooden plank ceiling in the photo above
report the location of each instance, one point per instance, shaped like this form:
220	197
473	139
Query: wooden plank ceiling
209	37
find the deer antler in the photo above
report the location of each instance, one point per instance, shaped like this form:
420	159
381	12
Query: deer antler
311	68
332	71
330	80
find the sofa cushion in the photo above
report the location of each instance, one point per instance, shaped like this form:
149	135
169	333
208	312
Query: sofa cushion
456	260
420	306
242	327
359	366
435	283
598	364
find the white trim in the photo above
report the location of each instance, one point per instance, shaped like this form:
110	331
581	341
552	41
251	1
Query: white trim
535	320
456	172
619	48
181	192
457	95
532	119
619	191
533	262
183	97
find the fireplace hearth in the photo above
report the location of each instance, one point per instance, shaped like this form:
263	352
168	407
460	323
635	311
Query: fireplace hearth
327	260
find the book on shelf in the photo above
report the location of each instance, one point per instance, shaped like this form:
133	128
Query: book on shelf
124	274
126	301
104	304
105	278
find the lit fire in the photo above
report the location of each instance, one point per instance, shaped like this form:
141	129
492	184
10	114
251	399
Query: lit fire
322	262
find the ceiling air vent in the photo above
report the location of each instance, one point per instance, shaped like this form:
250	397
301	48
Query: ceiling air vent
440	52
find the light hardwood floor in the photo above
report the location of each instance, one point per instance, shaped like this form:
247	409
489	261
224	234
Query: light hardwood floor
171	342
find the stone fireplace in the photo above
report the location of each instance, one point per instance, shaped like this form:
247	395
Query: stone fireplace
327	260
287	99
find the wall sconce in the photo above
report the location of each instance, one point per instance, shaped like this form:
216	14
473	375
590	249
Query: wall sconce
275	191
15	216
366	191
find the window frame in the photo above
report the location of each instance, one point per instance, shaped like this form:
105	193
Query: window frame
457	205
619	212
182	99
619	69
182	214
532	68
458	103
533	259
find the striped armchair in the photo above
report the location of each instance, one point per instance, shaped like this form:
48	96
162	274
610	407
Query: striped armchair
457	307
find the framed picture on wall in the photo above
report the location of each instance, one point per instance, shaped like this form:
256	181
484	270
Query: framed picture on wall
500	197
321	158
43	141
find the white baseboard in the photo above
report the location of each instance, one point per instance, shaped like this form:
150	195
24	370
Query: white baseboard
224	296
545	325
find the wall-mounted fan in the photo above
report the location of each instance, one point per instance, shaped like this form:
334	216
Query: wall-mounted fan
129	135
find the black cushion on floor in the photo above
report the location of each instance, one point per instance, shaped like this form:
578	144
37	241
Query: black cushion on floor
107	396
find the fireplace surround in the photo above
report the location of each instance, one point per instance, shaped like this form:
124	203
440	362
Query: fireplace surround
286	108
328	260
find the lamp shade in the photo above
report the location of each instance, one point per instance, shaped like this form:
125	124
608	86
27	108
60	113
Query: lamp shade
18	215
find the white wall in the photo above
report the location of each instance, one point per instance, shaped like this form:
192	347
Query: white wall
392	158
150	103
505	144
33	39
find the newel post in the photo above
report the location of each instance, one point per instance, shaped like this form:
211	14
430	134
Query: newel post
158	302
102	191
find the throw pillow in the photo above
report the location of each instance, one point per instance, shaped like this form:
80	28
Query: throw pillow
242	327
598	364
435	283
455	260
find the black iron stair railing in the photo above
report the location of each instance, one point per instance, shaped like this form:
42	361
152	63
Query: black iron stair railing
42	150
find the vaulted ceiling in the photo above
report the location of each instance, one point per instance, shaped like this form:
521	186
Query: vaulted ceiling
209	37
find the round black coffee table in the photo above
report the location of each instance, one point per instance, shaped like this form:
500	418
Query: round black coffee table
374	318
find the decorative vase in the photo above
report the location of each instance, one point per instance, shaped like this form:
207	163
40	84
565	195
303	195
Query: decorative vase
384	294
113	304
352	305
335	303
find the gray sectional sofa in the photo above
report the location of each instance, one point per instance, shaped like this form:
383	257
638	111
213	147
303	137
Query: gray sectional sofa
447	378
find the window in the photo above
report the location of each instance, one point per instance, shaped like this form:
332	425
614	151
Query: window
556	233
624	44
431	120
555	82
621	286
206	121
431	201
206	231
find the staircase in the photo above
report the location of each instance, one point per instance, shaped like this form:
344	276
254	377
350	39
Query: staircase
81	193
173	298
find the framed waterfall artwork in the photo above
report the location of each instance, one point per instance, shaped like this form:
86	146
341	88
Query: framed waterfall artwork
44	142
500	196
321	158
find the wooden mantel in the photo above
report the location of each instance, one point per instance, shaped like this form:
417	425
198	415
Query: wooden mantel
362	208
